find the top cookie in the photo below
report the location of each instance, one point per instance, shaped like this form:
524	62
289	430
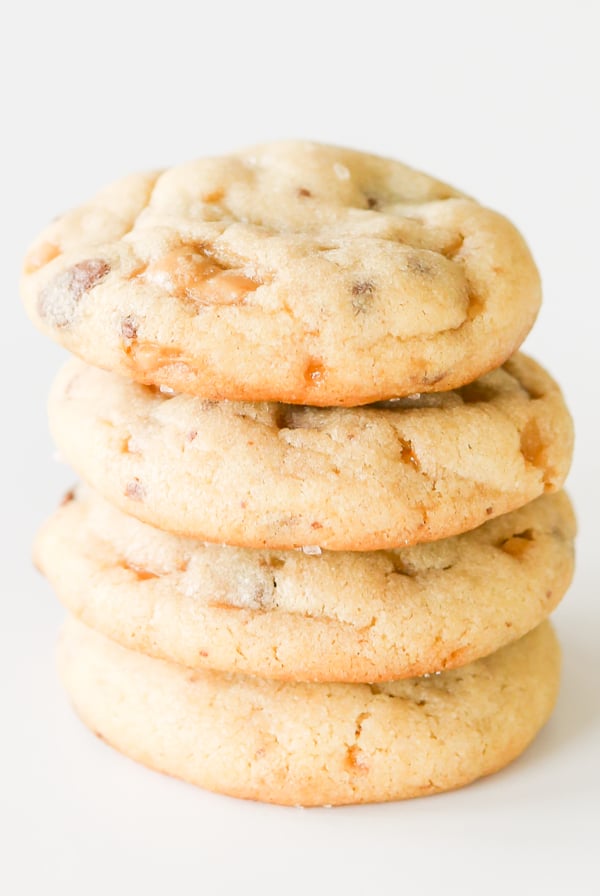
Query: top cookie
288	272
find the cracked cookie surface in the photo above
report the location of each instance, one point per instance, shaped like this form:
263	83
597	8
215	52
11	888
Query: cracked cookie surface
333	616
314	744
288	272
282	476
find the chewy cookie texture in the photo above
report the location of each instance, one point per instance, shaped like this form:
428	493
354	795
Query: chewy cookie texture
342	616
287	272
322	500
282	476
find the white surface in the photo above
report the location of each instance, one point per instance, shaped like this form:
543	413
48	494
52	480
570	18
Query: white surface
499	98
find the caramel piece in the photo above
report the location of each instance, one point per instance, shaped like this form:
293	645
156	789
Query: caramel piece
189	273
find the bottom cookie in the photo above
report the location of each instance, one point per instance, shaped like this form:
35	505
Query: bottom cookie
314	744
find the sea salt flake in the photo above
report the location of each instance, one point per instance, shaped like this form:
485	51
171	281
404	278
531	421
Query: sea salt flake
341	172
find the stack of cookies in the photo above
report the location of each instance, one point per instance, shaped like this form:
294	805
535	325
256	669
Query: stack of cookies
321	527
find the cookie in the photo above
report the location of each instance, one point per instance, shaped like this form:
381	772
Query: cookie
289	272
336	616
314	744
282	476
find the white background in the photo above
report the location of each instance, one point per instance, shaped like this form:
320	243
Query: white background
499	98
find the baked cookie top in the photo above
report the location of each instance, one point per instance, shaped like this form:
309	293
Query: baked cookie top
283	476
313	744
288	272
325	616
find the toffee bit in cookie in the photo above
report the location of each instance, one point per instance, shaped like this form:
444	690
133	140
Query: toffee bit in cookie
58	302
533	448
141	573
129	327
68	497
149	356
229	288
314	373
304	193
355	759
407	454
130	446
517	544
214	196
275	562
191	272
135	490
371	202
